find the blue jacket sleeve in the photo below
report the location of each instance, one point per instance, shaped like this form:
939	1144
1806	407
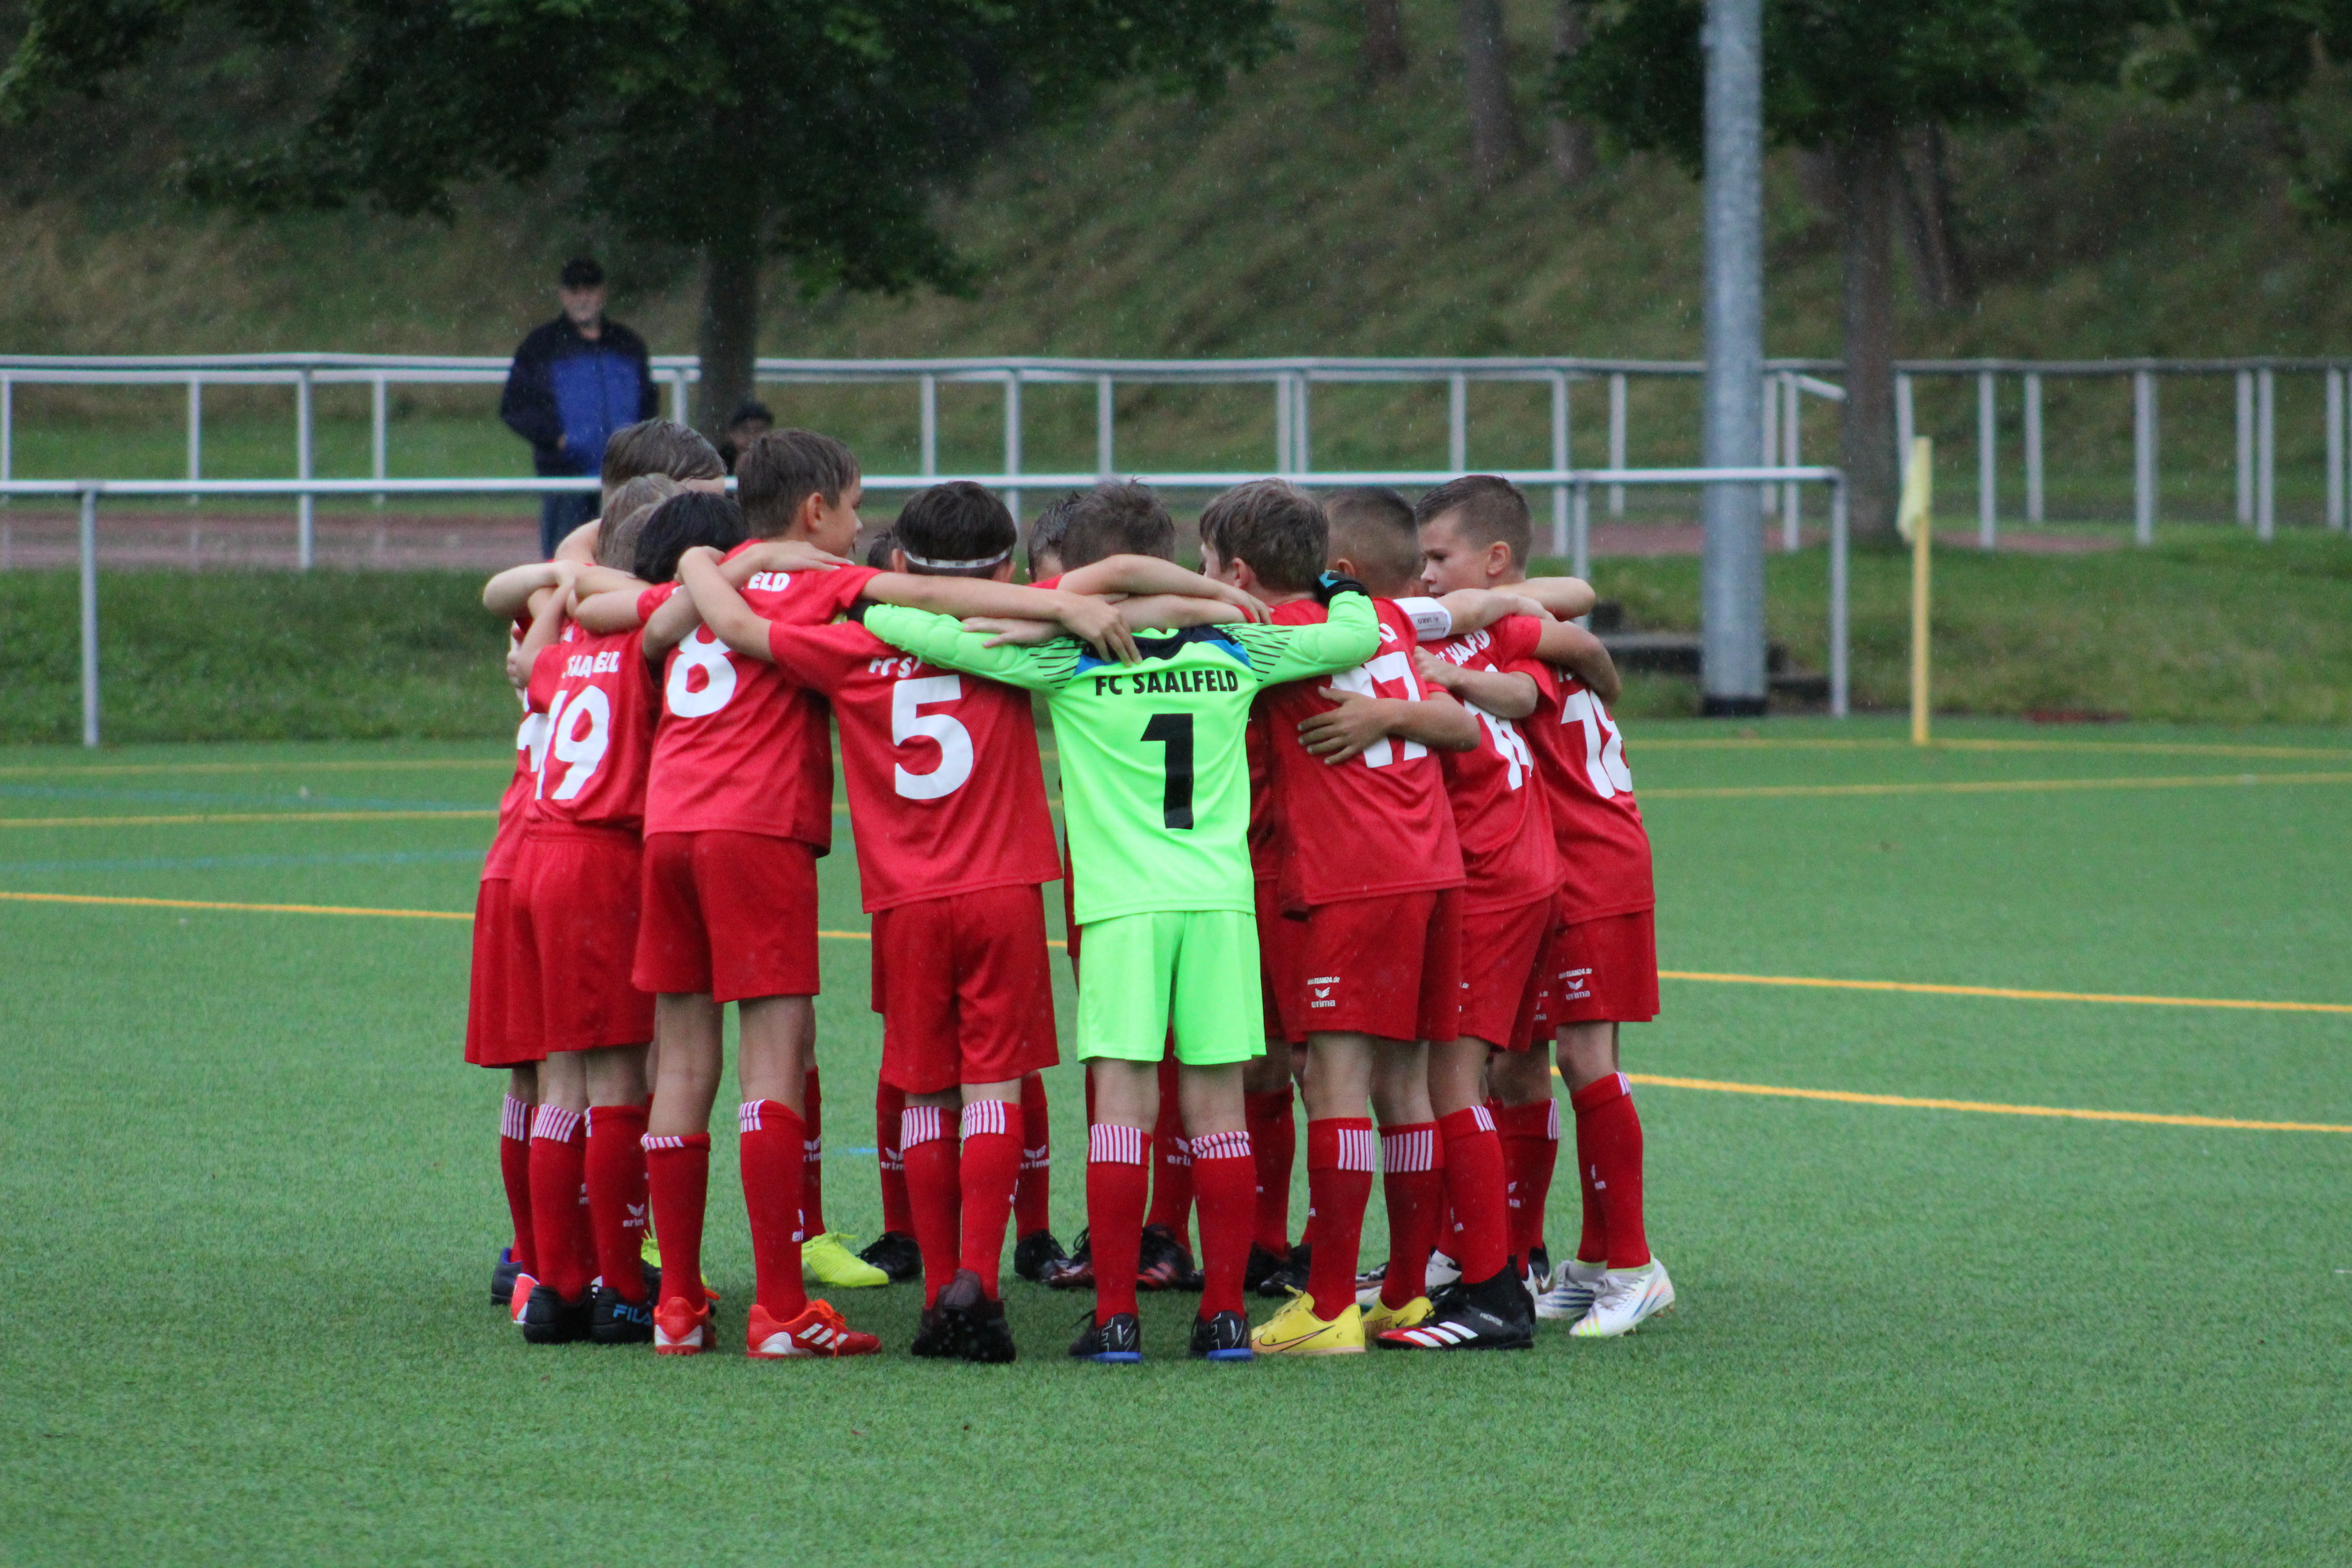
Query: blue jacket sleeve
527	405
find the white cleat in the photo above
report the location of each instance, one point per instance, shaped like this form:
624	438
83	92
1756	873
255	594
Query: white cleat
1443	1271
1573	1287
1627	1296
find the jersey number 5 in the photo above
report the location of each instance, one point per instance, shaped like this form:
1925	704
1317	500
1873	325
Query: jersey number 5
1174	731
954	741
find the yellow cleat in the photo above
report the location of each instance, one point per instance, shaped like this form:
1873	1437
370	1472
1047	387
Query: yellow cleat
1297	1330
825	1259
1379	1319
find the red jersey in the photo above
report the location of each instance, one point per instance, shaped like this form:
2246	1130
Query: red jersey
946	795
740	747
600	698
1376	823
1604	850
1499	808
506	842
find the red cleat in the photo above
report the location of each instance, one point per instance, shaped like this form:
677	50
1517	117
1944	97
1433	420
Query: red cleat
680	1327
817	1331
524	1284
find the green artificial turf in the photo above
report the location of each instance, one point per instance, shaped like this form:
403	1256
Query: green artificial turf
254	1201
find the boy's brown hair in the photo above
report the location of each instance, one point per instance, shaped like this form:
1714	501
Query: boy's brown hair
625	517
782	469
1117	518
955	530
658	447
1485	508
1274	526
1372	530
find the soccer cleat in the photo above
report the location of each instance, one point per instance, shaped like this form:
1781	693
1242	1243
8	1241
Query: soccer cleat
520	1294
1223	1336
1076	1272
935	1335
894	1252
1368	1284
1492	1315
1165	1263
1297	1330
1117	1341
615	1322
680	1327
1035	1254
982	1333
1291	1278
1261	1267
503	1274
1627	1298
1443	1271
817	1331
1573	1286
1380	1317
826	1260
1538	1280
547	1319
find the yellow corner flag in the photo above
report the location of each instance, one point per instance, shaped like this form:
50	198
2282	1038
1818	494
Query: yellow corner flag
1913	520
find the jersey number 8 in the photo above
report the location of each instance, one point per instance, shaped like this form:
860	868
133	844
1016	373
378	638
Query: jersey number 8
707	654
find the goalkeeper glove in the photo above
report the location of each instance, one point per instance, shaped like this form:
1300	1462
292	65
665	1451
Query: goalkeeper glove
1330	586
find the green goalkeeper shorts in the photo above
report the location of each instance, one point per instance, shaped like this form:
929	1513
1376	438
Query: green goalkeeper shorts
1201	965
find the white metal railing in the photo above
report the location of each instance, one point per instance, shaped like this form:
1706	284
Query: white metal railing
1571	535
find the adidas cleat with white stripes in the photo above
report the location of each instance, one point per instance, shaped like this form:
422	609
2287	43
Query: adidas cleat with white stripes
1573	1287
1627	1298
817	1331
1491	1315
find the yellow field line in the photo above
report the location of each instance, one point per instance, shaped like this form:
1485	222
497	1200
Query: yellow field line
1990	786
2005	992
111	770
1847	1097
2122	748
215	904
182	821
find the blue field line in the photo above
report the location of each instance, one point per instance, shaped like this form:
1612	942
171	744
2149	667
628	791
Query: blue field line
247	862
224	797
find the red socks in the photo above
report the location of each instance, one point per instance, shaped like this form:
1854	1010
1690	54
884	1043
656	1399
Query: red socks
616	1196
1530	1146
677	1177
813	1156
1475	1181
772	1156
1273	1143
559	1213
888	1104
514	1172
1338	1184
933	1192
1609	1160
1118	1169
1172	1179
991	1167
1225	1180
1413	1185
1033	1195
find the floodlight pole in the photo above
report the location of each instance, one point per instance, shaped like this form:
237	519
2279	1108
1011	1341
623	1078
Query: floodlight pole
1731	566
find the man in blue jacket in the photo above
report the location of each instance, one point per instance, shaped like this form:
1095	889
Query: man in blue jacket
574	382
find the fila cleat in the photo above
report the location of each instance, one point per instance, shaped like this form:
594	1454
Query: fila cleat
1165	1263
1035	1254
1113	1342
1222	1336
547	1319
1492	1315
1076	1272
1627	1298
1297	1330
1290	1278
825	1259
1380	1317
681	1328
615	1319
503	1274
894	1252
819	1331
1573	1286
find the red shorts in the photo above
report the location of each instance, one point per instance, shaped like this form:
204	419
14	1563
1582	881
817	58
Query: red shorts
965	990
486	1044
1278	942
1503	972
1389	966
1603	969
575	937
727	914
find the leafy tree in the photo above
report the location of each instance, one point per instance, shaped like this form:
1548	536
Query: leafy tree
2281	53
811	131
1847	79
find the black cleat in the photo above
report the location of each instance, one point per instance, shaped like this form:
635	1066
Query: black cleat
895	1253
1261	1267
502	1276
1036	1253
1076	1272
1118	1339
549	1320
936	1338
1224	1337
983	1334
1290	1278
1165	1263
611	1320
1539	1272
1493	1314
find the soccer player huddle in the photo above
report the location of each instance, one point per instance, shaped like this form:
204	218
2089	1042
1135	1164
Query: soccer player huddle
1347	821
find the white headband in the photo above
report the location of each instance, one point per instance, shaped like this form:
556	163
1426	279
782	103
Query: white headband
915	560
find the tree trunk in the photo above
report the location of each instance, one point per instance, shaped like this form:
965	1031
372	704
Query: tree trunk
1383	40
1494	117
1945	279
1867	165
1573	156
727	335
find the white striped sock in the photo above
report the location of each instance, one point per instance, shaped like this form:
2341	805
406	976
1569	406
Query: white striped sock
918	1124
1221	1146
1356	1149
747	1115
982	1116
555	1123
1484	1118
1402	1153
1108	1144
653	1140
514	1120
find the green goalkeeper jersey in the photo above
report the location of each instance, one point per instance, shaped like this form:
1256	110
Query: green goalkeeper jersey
1155	770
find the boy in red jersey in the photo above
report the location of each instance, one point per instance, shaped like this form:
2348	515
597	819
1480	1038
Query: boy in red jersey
1378	960
575	919
1601	969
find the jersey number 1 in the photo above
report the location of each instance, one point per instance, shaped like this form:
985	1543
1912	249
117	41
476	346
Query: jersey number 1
1174	731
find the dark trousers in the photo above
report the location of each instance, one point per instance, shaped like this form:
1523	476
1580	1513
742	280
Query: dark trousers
558	514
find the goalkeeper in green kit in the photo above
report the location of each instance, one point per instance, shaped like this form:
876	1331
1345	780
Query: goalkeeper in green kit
1155	790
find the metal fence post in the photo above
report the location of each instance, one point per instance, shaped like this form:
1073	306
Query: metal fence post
89	615
1013	444
1617	440
8	433
2335	449
379	437
1769	403
1282	424
931	419
2245	448
1903	421
1580	543
678	399
306	515
1793	447
1838	608
1301	429
2143	457
2033	447
1105	411
1987	458
2265	454
195	434
1457	421
1559	460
